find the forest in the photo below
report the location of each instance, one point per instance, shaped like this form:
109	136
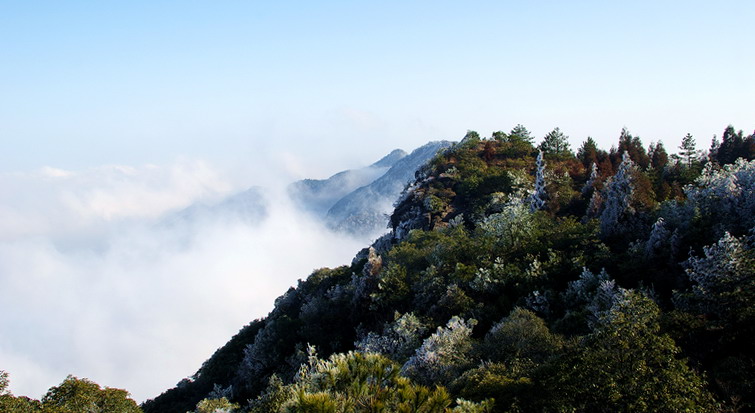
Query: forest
515	277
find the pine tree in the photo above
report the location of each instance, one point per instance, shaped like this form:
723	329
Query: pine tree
537	200
617	197
724	281
658	156
588	152
688	151
556	144
520	133
659	235
590	184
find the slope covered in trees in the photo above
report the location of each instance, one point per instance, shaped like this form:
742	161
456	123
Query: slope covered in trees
522	278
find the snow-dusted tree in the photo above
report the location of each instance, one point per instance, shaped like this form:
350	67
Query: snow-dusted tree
595	293
399	339
538	197
220	405
659	237
724	281
581	291
590	184
510	226
360	383
726	195
617	197
444	355
604	298
538	302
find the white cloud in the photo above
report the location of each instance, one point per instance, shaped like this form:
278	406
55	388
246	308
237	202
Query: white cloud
91	286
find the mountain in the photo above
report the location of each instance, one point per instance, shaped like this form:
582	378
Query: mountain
319	195
603	291
366	209
249	206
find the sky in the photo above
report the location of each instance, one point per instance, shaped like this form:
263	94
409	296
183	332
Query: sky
90	83
114	115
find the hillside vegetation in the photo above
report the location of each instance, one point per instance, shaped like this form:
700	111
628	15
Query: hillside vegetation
518	278
522	278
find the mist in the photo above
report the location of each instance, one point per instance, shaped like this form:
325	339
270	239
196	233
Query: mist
98	280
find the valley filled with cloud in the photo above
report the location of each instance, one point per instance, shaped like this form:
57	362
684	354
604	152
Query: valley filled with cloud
110	272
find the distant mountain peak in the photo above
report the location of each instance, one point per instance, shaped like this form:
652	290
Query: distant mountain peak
390	159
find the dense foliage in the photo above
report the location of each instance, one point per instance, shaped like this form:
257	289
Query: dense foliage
73	395
519	278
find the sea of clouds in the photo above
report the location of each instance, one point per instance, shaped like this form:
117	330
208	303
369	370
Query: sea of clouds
94	283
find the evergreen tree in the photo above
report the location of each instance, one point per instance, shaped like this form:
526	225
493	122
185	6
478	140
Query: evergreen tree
688	151
588	152
715	145
590	184
626	365
520	133
617	197
658	156
537	200
724	281
556	144
633	145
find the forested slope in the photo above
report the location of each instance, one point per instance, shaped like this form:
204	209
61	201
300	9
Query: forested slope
522	278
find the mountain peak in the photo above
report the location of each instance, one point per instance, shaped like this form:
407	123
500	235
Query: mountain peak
391	158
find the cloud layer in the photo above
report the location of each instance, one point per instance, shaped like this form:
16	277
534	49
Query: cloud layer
93	284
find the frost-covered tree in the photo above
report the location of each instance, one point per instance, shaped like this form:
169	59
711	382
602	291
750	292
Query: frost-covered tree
590	184
221	405
399	339
444	355
582	290
659	237
726	196
510	226
538	197
724	281
357	382
592	294
617	197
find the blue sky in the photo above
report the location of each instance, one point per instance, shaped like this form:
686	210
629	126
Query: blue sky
90	83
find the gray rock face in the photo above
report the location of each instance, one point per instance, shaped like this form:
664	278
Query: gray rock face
319	195
365	210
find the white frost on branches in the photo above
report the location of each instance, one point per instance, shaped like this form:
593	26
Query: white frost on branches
618	196
591	180
728	194
443	355
659	236
537	200
724	279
